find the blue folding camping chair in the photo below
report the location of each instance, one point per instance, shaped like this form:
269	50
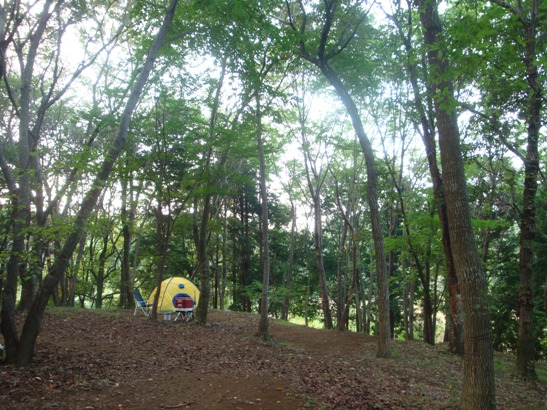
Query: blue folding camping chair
141	304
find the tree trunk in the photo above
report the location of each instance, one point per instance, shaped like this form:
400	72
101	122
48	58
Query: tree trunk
203	232
391	262
408	302
318	240
356	272
428	137
263	327
20	192
427	307
20	352
384	340
526	350
203	263
340	276
101	273
224	269
478	390
359	296
321	61
369	296
74	279
315	181
163	233
28	288
290	263
126	284
216	287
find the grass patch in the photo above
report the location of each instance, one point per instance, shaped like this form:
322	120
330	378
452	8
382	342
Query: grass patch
61	310
506	364
313	323
284	322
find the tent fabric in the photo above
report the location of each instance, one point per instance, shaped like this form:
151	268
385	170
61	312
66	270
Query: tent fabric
172	288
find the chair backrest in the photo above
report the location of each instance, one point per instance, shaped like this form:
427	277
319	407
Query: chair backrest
138	297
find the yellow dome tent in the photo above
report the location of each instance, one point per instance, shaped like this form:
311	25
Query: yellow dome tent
171	288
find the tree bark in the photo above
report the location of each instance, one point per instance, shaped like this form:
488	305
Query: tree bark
455	343
224	269
478	390
526	350
20	192
126	284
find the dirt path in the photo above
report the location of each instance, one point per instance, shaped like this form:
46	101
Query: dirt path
113	360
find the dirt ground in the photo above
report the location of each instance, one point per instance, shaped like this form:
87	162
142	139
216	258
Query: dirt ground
114	360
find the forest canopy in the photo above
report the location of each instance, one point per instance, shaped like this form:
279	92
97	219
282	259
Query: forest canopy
290	157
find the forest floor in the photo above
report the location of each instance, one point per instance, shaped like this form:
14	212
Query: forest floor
113	360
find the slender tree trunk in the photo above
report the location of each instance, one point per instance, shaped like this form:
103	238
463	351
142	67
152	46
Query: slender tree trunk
20	192
369	295
359	294
321	61
340	276
163	233
203	263
384	340
224	270
290	263
263	326
216	286
478	390
318	239
407	303
203	232
126	284
236	258
428	137
356	272
101	272
427	307
74	279
20	352
24	157
526	350
411	315
391	262
423	271
315	181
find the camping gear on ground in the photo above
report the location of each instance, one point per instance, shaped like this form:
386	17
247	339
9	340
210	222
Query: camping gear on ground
172	288
141	304
184	308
